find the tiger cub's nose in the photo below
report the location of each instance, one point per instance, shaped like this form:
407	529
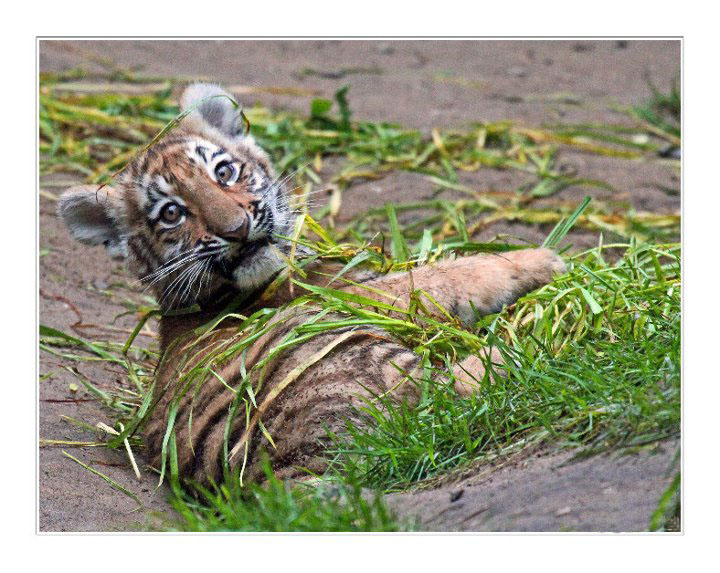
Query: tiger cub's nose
238	234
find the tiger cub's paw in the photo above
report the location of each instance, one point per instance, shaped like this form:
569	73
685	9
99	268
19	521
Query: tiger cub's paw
532	268
543	262
557	265
469	373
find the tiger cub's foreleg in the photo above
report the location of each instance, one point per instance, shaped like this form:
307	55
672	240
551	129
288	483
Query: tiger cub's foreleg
471	287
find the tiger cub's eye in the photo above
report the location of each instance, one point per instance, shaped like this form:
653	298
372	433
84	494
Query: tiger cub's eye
171	213
224	172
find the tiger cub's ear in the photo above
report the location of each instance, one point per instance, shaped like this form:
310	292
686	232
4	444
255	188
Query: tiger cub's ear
214	106
95	217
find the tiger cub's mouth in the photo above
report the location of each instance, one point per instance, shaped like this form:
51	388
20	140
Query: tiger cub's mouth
241	255
248	250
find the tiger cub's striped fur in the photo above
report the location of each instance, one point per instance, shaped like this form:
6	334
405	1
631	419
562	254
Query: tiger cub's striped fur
197	217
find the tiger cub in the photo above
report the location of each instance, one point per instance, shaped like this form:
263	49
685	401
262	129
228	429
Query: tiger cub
199	218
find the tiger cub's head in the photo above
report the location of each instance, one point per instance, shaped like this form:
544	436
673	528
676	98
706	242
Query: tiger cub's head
198	212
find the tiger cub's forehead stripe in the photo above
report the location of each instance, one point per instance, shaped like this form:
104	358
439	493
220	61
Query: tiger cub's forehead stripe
149	190
163	185
155	154
201	149
209	153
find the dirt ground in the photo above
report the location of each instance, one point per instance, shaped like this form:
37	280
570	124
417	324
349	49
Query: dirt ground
421	84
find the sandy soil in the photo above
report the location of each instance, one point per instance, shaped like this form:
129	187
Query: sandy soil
603	493
419	84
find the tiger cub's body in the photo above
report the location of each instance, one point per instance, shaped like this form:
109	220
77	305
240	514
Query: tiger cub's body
197	217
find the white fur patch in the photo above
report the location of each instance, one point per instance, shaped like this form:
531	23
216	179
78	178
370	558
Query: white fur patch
163	185
258	269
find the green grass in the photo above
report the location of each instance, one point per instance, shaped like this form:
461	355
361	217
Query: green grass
592	360
662	113
275	506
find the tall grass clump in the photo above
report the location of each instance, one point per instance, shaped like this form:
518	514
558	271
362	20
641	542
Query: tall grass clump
592	359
